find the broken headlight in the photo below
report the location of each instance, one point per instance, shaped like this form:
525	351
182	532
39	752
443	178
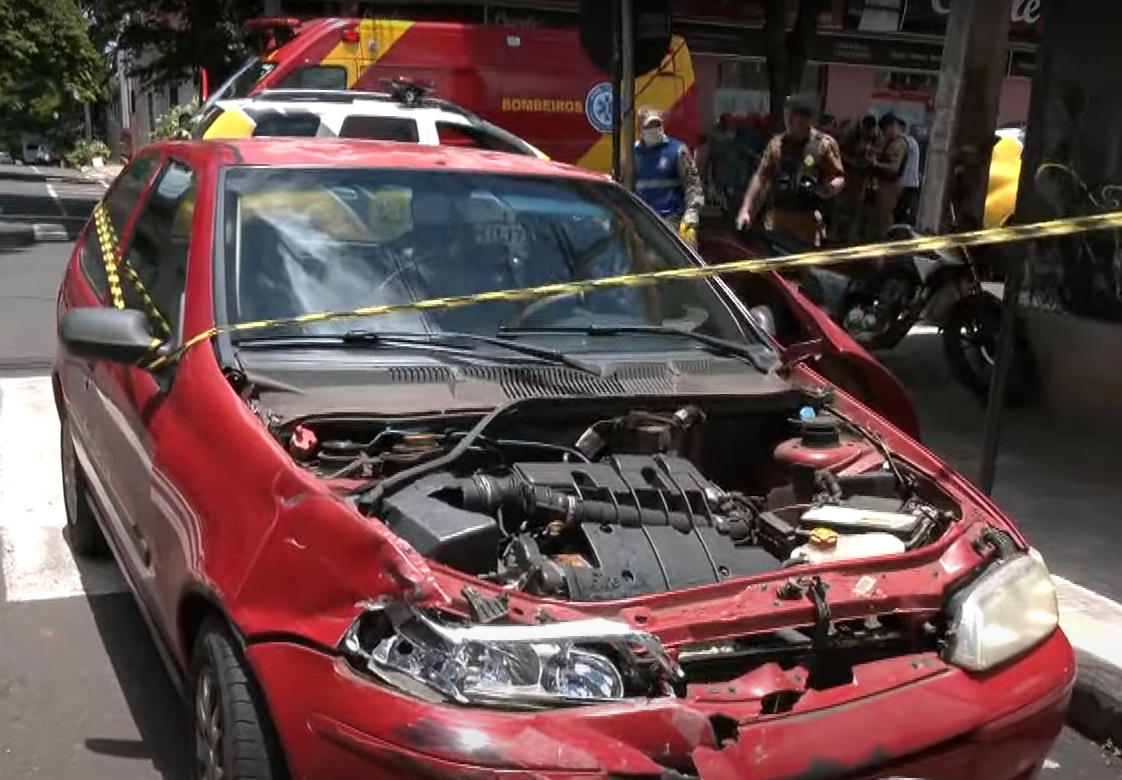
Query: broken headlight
1010	609
575	662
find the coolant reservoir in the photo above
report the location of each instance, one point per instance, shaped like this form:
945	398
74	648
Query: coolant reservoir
826	545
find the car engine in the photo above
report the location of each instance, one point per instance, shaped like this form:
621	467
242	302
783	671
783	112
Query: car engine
624	507
629	525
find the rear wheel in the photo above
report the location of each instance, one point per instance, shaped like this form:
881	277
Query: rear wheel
231	735
82	532
970	338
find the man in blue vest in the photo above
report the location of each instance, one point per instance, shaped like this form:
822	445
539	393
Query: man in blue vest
666	175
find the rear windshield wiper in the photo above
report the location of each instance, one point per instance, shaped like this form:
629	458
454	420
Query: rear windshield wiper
456	340
714	343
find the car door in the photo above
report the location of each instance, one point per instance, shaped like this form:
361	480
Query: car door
154	269
81	379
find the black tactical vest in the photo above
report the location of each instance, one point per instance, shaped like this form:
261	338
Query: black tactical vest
799	174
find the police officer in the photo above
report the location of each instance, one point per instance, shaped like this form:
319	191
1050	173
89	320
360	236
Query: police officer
800	168
666	175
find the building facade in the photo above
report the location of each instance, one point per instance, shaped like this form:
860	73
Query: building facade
870	56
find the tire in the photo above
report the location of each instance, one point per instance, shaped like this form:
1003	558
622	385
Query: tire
223	694
82	531
980	315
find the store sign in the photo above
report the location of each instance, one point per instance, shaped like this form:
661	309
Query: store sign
930	17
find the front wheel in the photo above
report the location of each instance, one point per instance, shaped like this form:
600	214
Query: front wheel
231	734
82	531
970	338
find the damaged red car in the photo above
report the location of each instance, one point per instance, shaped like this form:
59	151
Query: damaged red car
623	532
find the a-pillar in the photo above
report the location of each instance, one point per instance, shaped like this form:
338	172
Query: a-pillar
1072	164
974	62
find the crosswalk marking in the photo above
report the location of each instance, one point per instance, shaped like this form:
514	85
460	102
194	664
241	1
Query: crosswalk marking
37	562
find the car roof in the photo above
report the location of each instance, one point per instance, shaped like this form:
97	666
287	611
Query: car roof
350	103
355	152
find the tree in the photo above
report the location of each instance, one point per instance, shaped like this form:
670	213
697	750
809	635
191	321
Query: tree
171	40
787	50
48	66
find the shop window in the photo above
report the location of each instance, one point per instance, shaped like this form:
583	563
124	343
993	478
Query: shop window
742	86
905	81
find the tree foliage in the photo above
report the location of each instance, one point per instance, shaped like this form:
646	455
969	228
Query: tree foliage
48	65
787	50
169	41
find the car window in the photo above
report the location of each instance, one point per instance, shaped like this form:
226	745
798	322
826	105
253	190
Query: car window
451	134
158	245
127	189
304	240
382	128
314	77
119	204
303	124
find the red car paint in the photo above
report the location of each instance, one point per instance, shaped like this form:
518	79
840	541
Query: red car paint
234	528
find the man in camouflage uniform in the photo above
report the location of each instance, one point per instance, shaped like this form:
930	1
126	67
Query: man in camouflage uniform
800	169
666	174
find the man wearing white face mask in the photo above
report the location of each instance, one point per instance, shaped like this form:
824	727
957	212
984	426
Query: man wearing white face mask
666	175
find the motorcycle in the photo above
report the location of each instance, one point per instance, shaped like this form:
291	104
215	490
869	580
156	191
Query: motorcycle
879	301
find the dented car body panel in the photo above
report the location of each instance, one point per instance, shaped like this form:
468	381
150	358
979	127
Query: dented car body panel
776	659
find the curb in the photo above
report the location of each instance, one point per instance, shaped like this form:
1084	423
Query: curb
49	231
1093	625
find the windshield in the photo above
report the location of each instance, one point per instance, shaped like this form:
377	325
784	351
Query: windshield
300	240
240	84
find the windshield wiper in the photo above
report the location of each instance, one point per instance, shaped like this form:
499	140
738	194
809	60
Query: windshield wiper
714	343
467	341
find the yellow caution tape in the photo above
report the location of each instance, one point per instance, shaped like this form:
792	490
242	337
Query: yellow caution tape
113	256
1002	235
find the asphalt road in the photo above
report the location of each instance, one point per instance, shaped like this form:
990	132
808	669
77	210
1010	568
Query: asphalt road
82	691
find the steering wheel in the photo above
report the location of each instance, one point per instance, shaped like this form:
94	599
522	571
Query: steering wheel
540	305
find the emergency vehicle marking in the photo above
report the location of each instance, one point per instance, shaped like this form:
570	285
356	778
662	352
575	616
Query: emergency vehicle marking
598	107
542	105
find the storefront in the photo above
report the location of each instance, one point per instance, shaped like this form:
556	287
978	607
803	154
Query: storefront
874	57
869	56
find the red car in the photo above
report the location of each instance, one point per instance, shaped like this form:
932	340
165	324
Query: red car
612	533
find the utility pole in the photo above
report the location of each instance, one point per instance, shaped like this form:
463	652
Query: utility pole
627	96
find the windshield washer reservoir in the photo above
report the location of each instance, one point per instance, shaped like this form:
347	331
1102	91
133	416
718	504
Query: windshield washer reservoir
854	520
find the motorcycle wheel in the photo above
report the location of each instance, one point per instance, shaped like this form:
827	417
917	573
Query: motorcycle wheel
893	329
970	338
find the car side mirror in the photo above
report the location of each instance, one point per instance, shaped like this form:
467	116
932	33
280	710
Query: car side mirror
115	335
763	317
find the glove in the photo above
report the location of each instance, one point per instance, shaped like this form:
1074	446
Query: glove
690	218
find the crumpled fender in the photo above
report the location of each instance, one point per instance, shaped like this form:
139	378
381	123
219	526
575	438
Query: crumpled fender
340	559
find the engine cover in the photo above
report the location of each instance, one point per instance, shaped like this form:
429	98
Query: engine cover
667	537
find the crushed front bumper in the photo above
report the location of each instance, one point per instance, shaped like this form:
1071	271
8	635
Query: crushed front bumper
940	724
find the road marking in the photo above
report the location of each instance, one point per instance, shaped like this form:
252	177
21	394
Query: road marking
58	201
37	562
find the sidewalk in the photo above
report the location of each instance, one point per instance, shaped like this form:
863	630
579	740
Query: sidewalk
1061	484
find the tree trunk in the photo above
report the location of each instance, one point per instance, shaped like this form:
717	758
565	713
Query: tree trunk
787	51
775	48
